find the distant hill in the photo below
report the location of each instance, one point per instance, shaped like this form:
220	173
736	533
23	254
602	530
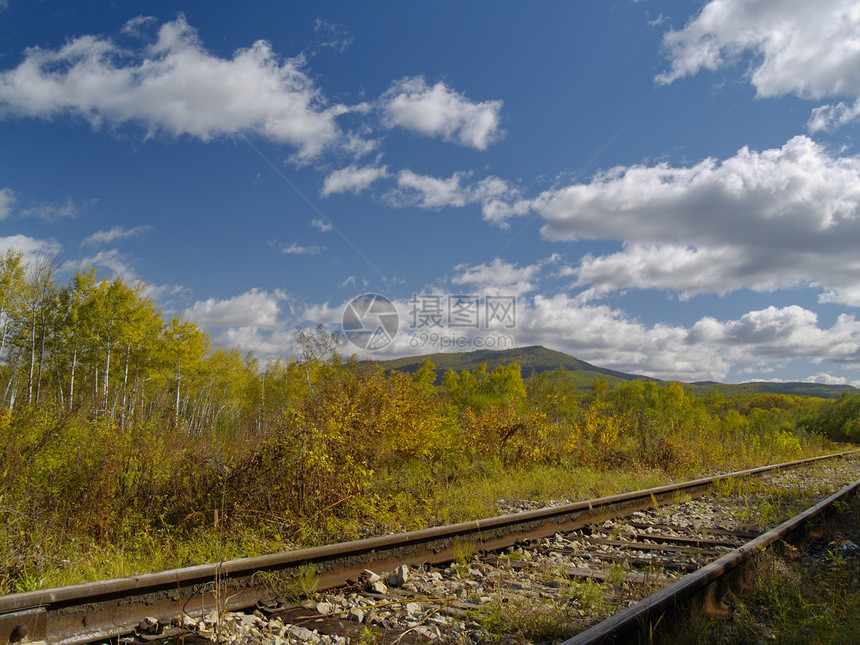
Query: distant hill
532	360
762	387
537	359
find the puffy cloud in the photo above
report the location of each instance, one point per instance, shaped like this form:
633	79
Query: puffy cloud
610	338
761	220
826	379
253	339
832	117
439	111
353	179
116	233
779	334
252	309
498	277
30	247
121	265
809	49
111	260
429	192
174	85
432	192
688	270
7	200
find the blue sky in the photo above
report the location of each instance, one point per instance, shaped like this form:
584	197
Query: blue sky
660	187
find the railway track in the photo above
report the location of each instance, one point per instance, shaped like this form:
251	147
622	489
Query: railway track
569	565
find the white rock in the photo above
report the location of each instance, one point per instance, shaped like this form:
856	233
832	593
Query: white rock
371	577
399	576
301	633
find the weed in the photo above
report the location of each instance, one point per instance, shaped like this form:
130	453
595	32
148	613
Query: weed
617	574
369	636
304	584
464	550
533	619
301	586
515	554
587	595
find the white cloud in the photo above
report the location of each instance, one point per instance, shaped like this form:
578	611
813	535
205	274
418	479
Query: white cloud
116	233
832	117
7	200
439	111
429	192
762	220
826	379
112	260
498	277
323	225
779	334
332	36
30	247
252	309
163	293
120	265
266	344
353	179
174	85
433	193
809	49
53	212
297	249
656	22
686	269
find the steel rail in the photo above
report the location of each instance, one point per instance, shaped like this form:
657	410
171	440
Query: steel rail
624	626
109	608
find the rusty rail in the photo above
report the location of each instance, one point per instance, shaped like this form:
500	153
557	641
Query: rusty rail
626	626
109	608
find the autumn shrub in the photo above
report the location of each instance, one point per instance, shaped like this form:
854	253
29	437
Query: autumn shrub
508	433
320	463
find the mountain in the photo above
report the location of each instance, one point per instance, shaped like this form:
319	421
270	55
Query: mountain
537	359
532	360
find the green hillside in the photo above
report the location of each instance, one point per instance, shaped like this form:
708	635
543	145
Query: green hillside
532	360
537	359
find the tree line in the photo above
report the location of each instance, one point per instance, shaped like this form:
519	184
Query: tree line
103	345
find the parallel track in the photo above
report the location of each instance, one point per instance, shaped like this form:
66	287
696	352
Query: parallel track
632	624
111	608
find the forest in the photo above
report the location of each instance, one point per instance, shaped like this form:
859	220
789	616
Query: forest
129	443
